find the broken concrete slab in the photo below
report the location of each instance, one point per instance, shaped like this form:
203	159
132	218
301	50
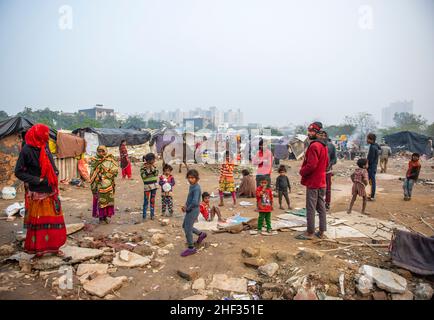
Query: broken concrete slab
385	279
104	284
225	283
364	285
269	269
78	254
133	260
73	228
91	268
158	239
199	284
48	262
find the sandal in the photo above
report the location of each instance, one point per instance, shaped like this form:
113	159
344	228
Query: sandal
318	235
301	236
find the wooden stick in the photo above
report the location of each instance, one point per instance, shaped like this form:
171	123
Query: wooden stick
430	226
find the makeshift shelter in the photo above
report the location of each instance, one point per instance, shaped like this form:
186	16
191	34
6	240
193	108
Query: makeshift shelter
298	146
409	141
10	145
111	137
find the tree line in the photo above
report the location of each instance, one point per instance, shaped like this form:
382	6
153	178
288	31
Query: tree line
71	121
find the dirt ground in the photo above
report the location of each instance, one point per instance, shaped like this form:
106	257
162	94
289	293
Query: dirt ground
221	252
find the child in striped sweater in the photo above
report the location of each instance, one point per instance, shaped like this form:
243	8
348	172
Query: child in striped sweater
149	174
227	181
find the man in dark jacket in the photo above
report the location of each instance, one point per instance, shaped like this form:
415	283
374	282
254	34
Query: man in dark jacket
329	172
373	155
313	176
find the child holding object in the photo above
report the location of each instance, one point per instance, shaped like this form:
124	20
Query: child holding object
360	181
149	174
411	176
191	209
167	182
283	186
208	212
264	197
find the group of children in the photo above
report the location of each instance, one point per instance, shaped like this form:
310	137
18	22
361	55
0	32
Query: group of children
198	205
360	180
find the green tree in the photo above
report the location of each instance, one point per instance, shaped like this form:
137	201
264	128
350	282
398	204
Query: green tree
430	130
134	122
337	130
409	122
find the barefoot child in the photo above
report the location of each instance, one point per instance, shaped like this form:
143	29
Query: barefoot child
209	212
191	209
227	181
149	174
167	182
264	197
283	186
411	176
360	181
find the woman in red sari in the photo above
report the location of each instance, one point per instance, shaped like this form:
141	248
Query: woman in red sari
44	220
125	161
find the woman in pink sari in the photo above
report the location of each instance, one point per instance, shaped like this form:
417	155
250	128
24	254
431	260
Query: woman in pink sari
125	161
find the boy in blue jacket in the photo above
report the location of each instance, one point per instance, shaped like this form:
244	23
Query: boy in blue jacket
191	209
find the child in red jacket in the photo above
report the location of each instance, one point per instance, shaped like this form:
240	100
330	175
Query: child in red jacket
264	197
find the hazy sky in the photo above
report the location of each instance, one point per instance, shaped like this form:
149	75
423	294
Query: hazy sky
280	61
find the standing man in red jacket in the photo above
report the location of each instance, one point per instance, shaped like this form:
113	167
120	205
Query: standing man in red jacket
313	176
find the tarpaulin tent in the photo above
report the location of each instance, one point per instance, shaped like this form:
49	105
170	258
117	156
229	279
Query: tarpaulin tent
17	125
409	141
113	137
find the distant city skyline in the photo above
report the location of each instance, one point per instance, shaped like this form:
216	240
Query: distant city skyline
278	61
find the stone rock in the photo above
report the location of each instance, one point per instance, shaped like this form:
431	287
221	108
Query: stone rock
169	246
333	290
199	284
405	273
306	294
251	252
196	297
124	255
153	231
134	260
155	263
92	268
77	254
379	295
74	227
187	274
137	238
48	262
408	295
254	262
423	291
103	285
165	222
158	239
281	256
163	252
269	269
6	250
385	279
224	283
106	259
143	250
364	285
26	266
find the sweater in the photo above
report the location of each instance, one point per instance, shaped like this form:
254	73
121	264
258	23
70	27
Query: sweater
193	198
265	201
373	155
28	170
313	169
282	183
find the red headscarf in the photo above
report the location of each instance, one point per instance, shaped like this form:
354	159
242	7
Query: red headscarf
37	137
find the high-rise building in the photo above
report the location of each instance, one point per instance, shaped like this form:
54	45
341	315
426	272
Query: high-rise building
389	112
